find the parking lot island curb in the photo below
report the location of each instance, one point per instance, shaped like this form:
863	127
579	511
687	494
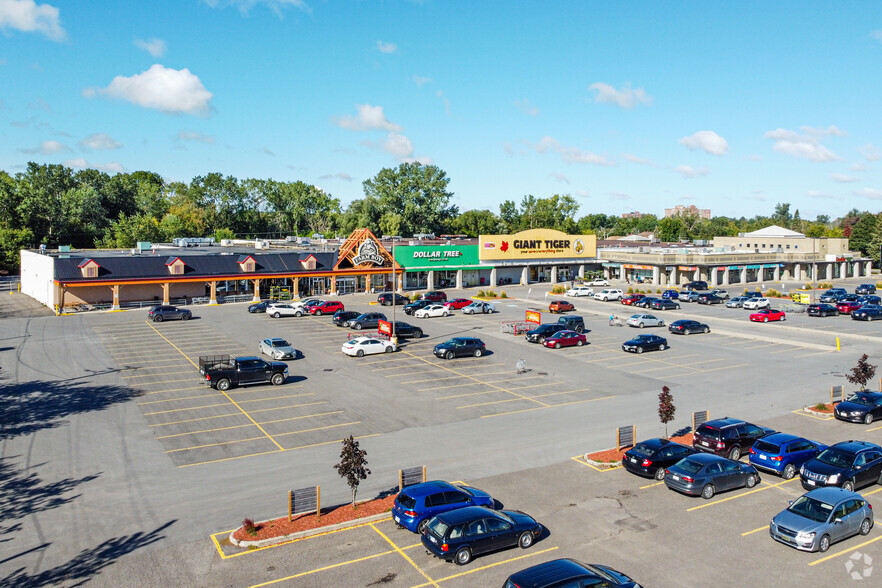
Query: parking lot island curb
609	465
301	534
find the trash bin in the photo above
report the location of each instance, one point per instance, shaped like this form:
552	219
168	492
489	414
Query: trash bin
483	280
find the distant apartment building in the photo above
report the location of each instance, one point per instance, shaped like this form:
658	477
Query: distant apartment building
632	214
680	210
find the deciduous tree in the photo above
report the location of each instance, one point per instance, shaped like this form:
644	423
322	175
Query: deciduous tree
666	408
862	373
352	465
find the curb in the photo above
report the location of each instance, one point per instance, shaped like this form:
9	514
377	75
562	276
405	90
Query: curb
811	410
602	464
309	533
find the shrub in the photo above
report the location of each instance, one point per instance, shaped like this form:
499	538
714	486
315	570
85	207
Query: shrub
249	526
879	285
480	294
503	294
558	289
773	293
630	290
820	406
658	291
809	286
490	294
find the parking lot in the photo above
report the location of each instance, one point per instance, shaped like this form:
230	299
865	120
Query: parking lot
517	435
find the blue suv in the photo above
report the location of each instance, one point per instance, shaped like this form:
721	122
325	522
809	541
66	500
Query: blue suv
416	504
783	454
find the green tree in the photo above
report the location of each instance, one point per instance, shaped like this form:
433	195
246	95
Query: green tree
782	216
363	213
509	217
12	241
352	465
875	245
128	230
669	229
862	232
321	210
39	193
417	193
476	222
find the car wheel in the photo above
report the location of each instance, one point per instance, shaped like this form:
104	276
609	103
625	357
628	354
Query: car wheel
579	343
185	316
276	315
659	474
677	307
298	313
866	525
157	318
735	453
789	471
708	492
448	355
639	350
541	340
751	481
661	323
557	345
359	353
388	349
765	319
421	528
824	544
417	334
223	385
662	347
868	419
318	312
357	326
278	379
687	332
479	352
641	325
848	485
445	313
526	540
463	556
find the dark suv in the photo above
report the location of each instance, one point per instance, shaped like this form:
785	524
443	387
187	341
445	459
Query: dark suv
386	298
572	323
459	347
727	437
368	320
542	332
833	295
164	313
415	306
696	285
865	289
849	465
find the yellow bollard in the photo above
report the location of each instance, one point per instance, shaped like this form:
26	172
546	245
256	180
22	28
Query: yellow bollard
837	343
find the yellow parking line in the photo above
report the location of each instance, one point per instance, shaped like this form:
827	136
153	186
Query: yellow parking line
183	409
874	429
651	486
324	569
872	492
289	406
814	416
252	390
561	393
317	429
306	416
458	386
189	465
278	397
220	416
844	551
582	461
487	416
164	373
174	399
330	443
173	390
205	431
216	444
488	566
465	395
745	534
406	557
741	494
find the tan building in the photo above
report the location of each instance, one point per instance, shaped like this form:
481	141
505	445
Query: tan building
681	210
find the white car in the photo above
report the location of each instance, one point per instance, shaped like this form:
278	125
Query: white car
580	291
432	310
283	309
721	293
608	294
277	348
598	282
479	307
644	320
756	303
361	346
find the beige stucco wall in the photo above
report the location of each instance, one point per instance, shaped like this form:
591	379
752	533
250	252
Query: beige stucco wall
820	247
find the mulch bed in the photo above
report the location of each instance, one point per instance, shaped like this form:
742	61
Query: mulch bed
823	408
614	456
307	522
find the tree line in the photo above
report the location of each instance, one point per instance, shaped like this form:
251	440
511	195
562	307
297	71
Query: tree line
54	205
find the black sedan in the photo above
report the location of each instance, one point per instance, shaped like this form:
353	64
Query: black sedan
407	330
869	299
868	312
341	316
258	307
460	347
709	298
687	327
645	302
642	343
865	289
861	407
822	309
650	458
459	535
704	475
568	572
664	304
415	306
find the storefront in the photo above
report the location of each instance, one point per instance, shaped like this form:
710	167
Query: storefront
537	256
427	267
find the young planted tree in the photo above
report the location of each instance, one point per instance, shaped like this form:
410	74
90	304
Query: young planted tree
862	373
666	408
352	465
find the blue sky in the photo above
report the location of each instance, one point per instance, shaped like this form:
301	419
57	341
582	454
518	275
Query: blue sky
624	105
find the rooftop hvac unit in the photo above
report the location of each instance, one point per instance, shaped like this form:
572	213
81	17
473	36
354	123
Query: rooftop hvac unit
226	242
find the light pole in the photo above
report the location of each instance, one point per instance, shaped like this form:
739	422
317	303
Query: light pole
394	338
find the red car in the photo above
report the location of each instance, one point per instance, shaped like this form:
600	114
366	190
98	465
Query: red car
768	314
560	306
326	307
565	339
435	296
847	307
457	303
632	298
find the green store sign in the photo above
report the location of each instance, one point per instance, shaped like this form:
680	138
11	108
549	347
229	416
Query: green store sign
436	256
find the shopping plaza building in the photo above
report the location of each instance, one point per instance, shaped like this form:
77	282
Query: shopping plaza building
254	270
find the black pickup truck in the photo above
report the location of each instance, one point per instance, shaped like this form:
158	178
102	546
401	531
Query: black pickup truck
224	371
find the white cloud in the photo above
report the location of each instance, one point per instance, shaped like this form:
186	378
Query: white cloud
387	48
155	47
707	141
559	177
818	195
267	151
508	148
398	145
527	108
444	99
195	136
634	159
877	34
369	118
754	158
623	98
619	196
569	154
29	17
870	152
275	5
47	148
99	141
160	88
337	176
109	167
582	193
420	80
858	166
807	145
691	172
842	178
871	193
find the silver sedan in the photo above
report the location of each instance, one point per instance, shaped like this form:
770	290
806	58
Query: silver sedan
644	320
277	348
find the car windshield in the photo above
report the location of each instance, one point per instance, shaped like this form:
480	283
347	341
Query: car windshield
709	432
836	458
643	449
280	343
438	526
811	508
352	342
861	399
766	446
406	501
689	466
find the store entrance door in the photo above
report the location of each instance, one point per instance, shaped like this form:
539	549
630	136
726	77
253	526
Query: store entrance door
345	285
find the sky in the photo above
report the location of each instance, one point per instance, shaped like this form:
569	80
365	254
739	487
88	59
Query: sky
626	106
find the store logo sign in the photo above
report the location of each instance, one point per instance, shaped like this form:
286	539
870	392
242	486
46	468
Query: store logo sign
578	246
368	252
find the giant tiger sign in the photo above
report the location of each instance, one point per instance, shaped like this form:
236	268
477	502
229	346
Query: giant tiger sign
537	244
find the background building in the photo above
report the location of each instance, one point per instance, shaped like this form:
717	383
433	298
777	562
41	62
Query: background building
680	210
